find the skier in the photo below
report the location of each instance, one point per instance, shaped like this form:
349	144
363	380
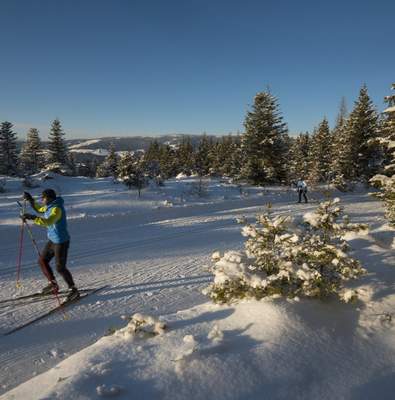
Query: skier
301	187
54	219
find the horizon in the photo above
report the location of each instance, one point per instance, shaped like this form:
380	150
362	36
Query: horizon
129	69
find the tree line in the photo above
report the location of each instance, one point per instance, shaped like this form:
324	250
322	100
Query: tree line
352	151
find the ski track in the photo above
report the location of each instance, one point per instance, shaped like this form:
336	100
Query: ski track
158	282
159	269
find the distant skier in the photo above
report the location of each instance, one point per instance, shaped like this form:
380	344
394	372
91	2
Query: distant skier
301	187
54	219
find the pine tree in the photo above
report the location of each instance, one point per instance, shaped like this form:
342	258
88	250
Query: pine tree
263	142
221	154
125	165
202	156
320	153
361	131
57	146
31	157
386	181
299	157
285	158
131	172
289	257
341	150
153	151
110	164
167	161
185	156
8	155
236	159
388	133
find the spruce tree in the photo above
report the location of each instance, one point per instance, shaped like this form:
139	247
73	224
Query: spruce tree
299	157
388	133
153	152
221	156
31	157
131	172
8	154
386	181
361	131
341	150
320	153
263	141
57	146
110	164
168	161
202	156
185	156
236	159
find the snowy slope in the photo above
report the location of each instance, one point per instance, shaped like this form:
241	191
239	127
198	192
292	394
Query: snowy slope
152	252
271	349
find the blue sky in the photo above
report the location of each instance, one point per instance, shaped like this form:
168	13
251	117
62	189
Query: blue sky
157	67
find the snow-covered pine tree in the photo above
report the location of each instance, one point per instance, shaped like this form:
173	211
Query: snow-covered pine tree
236	159
202	156
131	172
299	157
286	148
340	150
221	156
185	156
386	181
57	147
8	154
320	154
167	161
361	132
263	141
110	164
125	165
289	257
31	157
153	152
151	161
388	133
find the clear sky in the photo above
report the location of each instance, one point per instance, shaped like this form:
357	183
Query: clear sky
125	67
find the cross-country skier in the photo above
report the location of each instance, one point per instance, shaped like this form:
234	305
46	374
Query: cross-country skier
54	219
301	187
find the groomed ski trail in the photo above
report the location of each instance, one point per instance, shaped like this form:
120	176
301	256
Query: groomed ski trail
152	263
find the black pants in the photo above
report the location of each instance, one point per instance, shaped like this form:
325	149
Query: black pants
300	192
59	251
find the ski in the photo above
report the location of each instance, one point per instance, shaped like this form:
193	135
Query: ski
55	310
37	295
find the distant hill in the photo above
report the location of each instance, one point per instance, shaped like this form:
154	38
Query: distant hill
85	150
130	143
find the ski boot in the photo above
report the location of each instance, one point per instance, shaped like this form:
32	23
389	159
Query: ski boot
73	294
52	288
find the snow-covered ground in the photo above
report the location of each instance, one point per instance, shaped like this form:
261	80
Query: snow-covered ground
152	253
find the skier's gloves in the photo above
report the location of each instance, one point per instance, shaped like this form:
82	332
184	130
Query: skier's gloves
26	216
27	196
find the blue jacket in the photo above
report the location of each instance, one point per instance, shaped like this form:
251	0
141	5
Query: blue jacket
54	220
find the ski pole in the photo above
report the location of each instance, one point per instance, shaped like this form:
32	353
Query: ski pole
41	261
19	259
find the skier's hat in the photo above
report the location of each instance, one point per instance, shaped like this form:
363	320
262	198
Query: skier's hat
49	194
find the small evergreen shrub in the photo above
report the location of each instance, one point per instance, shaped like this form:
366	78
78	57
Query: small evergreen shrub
289	257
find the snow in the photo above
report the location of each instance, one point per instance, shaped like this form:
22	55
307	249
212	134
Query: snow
300	349
167	340
96	152
84	144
